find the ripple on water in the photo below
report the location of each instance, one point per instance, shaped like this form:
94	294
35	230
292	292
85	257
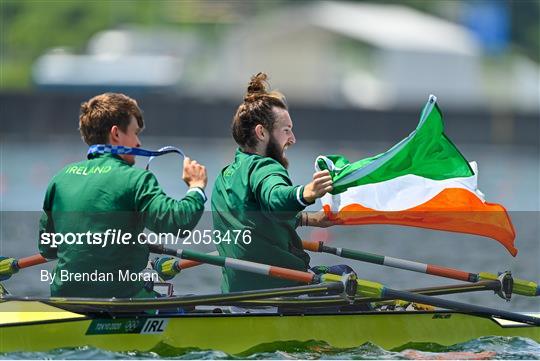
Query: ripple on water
513	348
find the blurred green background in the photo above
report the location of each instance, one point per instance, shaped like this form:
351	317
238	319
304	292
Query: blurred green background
30	27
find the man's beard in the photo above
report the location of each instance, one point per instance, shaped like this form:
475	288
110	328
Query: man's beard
274	151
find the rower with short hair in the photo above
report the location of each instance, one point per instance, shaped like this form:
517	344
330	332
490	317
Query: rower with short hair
105	195
255	194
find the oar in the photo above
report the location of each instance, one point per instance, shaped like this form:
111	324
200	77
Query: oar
521	287
499	286
252	267
364	288
9	266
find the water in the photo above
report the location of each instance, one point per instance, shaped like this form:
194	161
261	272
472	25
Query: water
492	348
507	175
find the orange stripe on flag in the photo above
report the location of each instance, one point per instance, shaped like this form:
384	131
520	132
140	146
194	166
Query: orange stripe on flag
453	209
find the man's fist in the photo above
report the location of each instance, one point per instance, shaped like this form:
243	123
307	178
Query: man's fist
194	174
320	185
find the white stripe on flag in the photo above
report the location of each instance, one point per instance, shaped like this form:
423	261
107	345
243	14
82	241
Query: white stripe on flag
400	193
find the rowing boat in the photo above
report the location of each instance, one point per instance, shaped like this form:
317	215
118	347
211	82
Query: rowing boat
215	329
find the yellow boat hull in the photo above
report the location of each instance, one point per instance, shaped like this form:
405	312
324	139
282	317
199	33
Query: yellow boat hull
45	328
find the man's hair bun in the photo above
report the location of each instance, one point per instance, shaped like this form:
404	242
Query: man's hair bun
257	108
258	85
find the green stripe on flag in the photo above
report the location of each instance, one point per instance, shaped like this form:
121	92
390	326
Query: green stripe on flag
426	152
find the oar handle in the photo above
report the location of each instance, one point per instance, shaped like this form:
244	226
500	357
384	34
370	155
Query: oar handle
31	261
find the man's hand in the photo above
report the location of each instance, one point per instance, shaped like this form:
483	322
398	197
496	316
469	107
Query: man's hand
320	219
321	184
194	174
317	219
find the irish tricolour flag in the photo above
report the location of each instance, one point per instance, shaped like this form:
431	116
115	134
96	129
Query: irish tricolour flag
423	181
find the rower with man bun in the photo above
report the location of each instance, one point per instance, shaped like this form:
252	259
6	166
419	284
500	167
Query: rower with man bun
255	193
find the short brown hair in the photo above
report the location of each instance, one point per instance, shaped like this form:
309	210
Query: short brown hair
102	112
256	109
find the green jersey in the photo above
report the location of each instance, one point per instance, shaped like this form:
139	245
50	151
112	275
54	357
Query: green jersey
255	194
102	196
